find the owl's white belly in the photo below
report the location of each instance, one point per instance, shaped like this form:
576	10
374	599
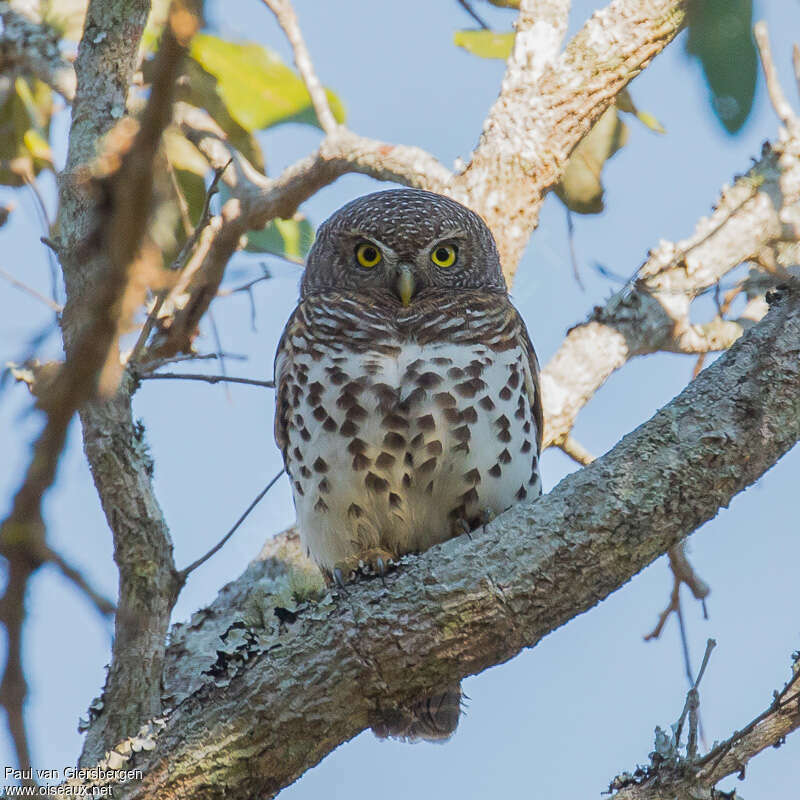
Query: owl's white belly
399	452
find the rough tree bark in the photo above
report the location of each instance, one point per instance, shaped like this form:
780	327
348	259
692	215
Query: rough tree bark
257	707
280	695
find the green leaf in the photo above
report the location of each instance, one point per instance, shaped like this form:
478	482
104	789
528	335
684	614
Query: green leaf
625	103
486	44
258	89
26	106
581	186
200	89
289	238
720	36
505	3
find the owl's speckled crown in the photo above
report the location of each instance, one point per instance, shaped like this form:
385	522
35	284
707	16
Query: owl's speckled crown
405	224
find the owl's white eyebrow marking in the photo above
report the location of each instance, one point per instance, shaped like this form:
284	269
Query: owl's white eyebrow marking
385	249
451	233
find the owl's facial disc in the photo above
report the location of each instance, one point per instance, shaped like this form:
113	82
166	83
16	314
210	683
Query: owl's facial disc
405	284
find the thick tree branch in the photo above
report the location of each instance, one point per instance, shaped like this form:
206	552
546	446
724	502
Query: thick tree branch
279	696
546	107
101	225
652	312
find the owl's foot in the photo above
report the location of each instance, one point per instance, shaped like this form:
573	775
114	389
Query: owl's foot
367	564
481	519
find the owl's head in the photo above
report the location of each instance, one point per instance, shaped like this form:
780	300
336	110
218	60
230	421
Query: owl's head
403	241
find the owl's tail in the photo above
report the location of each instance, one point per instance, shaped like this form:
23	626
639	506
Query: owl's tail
432	718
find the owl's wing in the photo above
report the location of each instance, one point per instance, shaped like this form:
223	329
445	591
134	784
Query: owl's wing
283	361
532	384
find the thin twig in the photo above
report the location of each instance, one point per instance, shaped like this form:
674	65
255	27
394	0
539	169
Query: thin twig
104	606
47	226
181	260
796	64
246	287
774	89
189	376
691	707
572	256
152	366
218	343
183	205
781	700
184	573
469	9
287	19
682	572
51	304
46	240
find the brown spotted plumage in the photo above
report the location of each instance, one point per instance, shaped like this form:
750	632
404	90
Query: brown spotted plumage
408	406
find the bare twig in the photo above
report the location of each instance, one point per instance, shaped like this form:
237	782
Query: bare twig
186	571
51	304
766	730
796	64
246	287
46	240
572	255
179	263
189	376
151	366
467	6
691	707
44	218
682	572
779	102
183	205
287	19
103	605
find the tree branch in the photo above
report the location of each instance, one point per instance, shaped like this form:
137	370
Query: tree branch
27	47
242	721
779	102
193	376
287	19
101	226
676	776
547	106
651	313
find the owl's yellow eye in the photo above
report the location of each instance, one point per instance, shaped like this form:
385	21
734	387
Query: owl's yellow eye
444	255
368	255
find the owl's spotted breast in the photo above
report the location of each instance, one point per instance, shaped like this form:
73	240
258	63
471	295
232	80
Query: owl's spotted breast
393	444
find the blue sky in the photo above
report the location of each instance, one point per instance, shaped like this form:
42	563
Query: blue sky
561	719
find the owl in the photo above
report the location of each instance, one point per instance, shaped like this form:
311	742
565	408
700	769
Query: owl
408	407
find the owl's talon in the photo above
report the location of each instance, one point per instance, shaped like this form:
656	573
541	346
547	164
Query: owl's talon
338	578
487	517
381	569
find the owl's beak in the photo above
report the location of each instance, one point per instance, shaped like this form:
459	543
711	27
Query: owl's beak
405	284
